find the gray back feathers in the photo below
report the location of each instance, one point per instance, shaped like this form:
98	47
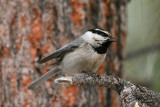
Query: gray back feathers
63	50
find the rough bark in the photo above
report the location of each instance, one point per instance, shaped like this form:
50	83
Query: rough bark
31	29
131	95
116	23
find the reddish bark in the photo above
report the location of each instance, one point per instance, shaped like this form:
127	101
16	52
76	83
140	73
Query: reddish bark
32	29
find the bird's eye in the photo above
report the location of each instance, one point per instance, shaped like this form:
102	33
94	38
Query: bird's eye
105	38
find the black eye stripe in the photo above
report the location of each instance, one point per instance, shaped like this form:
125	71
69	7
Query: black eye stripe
96	40
99	32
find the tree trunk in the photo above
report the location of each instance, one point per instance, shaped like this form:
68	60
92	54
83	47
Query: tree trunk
31	29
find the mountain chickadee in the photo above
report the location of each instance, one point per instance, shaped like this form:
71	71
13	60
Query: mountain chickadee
85	53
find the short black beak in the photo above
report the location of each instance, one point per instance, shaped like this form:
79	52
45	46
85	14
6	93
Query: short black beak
112	39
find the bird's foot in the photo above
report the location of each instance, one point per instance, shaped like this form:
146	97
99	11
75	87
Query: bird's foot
92	74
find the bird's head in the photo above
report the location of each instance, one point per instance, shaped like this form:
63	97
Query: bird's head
98	38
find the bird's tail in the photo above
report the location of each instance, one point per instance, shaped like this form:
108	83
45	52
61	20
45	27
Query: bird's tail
43	78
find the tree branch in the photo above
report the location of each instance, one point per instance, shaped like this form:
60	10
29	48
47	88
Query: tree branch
130	94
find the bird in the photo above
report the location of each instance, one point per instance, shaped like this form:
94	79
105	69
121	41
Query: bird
84	54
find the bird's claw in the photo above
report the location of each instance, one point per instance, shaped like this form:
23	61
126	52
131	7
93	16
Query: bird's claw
92	74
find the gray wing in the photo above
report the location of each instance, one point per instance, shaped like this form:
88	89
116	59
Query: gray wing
63	50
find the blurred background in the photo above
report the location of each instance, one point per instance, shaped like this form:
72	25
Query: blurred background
32	29
144	40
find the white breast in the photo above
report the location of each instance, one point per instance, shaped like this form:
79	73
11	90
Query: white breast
82	59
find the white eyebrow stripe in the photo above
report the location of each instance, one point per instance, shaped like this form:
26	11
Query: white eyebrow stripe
103	31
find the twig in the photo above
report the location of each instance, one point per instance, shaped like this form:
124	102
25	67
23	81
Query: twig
130	94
